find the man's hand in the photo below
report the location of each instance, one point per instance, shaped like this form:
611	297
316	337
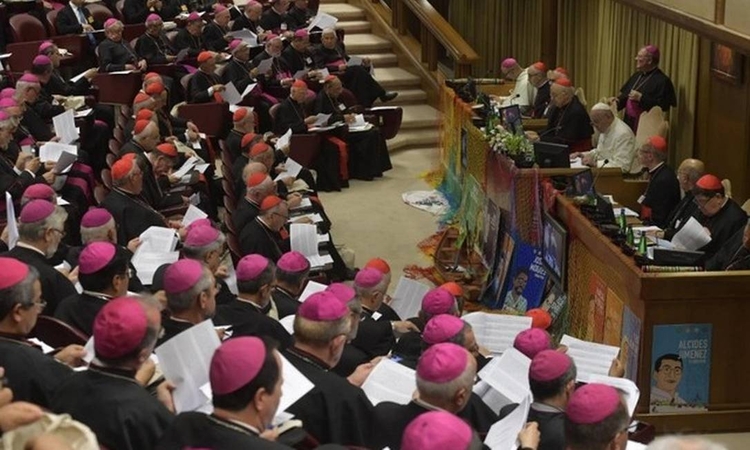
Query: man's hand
635	95
616	370
133	244
129	67
87	28
17	414
288	181
142	64
91	73
32	164
529	436
22	159
49	177
192	127
73	275
575	155
6	395
164	394
366	62
310	120
221	272
533	136
4	236
349	118
49	165
342	67
361	373
144	374
304	220
71	355
171	58
193	136
403	326
589	160
293	200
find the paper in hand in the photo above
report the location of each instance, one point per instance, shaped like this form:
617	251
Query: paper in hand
192	214
52	151
590	358
354	61
407	299
65	127
230	94
691	236
10	216
64	163
390	381
321	119
265	66
181	55
283	141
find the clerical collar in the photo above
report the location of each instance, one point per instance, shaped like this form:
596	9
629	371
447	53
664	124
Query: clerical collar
235	425
30	247
261	309
15	338
99	295
309	358
425	405
658	166
177	319
286	291
543	407
114	372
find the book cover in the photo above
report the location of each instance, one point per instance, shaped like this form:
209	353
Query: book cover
613	319
680	368
524	281
597	305
490	233
630	346
496	282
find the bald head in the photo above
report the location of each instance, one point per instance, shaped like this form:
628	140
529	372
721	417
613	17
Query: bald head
683	443
689	172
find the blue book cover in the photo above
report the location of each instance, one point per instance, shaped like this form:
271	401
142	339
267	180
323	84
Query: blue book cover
525	280
680	368
631	343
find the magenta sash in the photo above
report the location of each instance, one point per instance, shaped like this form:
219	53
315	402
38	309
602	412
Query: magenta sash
633	109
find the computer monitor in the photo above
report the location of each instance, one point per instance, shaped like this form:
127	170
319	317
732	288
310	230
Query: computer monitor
549	155
582	183
511	116
554	248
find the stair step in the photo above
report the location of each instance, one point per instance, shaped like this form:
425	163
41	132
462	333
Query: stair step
392	78
332	1
343	11
409	96
366	43
381	59
354	26
420	116
414	138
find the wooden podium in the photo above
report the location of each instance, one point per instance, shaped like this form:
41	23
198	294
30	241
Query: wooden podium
721	299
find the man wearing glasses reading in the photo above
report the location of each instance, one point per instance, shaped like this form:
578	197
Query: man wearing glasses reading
720	215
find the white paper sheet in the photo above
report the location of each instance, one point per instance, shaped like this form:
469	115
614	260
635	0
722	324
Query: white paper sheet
181	55
265	66
304	203
64	162
493	399
635	446
10	216
230	94
294	387
311	288
191	215
146	263
231	279
497	331
82	112
321	119
324	238
509	375
79	76
590	358
65	126
283	141
319	261
322	74
245	36
304	239
354	61
51	151
691	236
323	21
288	324
504	433
185	360
158	240
301	74
293	168
390	381
629	390
407	299
314	217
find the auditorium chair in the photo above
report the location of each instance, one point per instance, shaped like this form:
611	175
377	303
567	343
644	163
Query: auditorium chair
651	123
100	13
56	333
303	148
388	119
51	17
25	27
213	119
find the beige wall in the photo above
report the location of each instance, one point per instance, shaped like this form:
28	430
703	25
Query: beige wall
705	9
737	15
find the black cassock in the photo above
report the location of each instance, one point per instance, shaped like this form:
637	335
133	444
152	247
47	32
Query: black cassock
732	255
198	430
356	78
184	39
80	310
551	426
662	194
296	60
368	153
153	192
298	18
233	143
541	101
271	83
680	215
122	414
32	375
213	37
198	87
375	334
568	125
286	303
247	320
171	328
334	411
255	237
656	90
273	21
113	56
238	73
12	182
154	49
132	214
730	219
245	214
55	285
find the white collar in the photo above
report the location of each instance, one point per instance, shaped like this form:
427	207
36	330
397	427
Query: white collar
31	247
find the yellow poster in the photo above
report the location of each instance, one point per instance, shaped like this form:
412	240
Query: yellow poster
613	320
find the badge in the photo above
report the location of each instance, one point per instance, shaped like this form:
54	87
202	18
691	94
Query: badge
90	19
308	60
184	8
284	26
641	199
342	107
376	315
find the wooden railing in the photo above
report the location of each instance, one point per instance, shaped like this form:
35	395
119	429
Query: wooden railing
434	33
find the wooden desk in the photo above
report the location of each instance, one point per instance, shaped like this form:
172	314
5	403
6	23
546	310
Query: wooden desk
721	299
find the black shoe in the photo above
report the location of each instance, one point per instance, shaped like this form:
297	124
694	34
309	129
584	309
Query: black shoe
388	96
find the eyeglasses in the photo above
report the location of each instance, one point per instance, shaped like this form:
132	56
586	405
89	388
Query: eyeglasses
286	218
63	233
701	200
40	304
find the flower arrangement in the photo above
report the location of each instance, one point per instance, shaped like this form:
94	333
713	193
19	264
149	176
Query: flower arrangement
515	146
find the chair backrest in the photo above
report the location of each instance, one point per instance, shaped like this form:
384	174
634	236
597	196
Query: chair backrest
100	193
305	149
25	27
727	185
746	206
56	333
51	17
112	155
100	13
184	81
651	123
107	178
119	5
234	247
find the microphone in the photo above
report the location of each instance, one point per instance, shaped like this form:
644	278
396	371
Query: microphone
546	132
593	183
510	102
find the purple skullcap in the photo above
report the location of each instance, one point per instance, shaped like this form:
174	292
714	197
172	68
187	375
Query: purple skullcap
342	291
29	78
322	307
592	403
293	262
39	191
109	22
250	267
368	278
41	60
235	364
193	16
204	222
45	45
301	33
438	301
7	102
437	430
119	327
442	363
95	256
549	365
235	44
95	217
442	328
153	18
532	341
182	276
8	92
36	210
4	116
219	8
508	63
14	271
653	51
201	236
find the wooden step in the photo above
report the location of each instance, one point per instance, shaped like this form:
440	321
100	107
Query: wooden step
421	138
332	1
354	26
420	116
366	43
395	78
343	11
381	59
409	96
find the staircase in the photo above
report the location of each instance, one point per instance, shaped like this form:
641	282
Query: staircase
419	126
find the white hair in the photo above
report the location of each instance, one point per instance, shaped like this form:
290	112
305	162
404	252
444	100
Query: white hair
684	443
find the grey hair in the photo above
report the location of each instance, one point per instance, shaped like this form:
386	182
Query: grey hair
200	252
684	443
21	293
139	137
22	87
367	292
184	300
329	31
320	333
264	188
96	234
33	231
446	391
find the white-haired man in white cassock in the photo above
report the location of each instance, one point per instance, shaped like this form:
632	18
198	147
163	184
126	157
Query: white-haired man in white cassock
615	144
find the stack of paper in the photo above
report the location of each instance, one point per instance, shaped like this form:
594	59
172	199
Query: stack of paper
691	236
311	288
407	299
496	331
304	239
504	433
390	381
65	126
292	169
156	249
185	360
359	124
590	358
52	151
